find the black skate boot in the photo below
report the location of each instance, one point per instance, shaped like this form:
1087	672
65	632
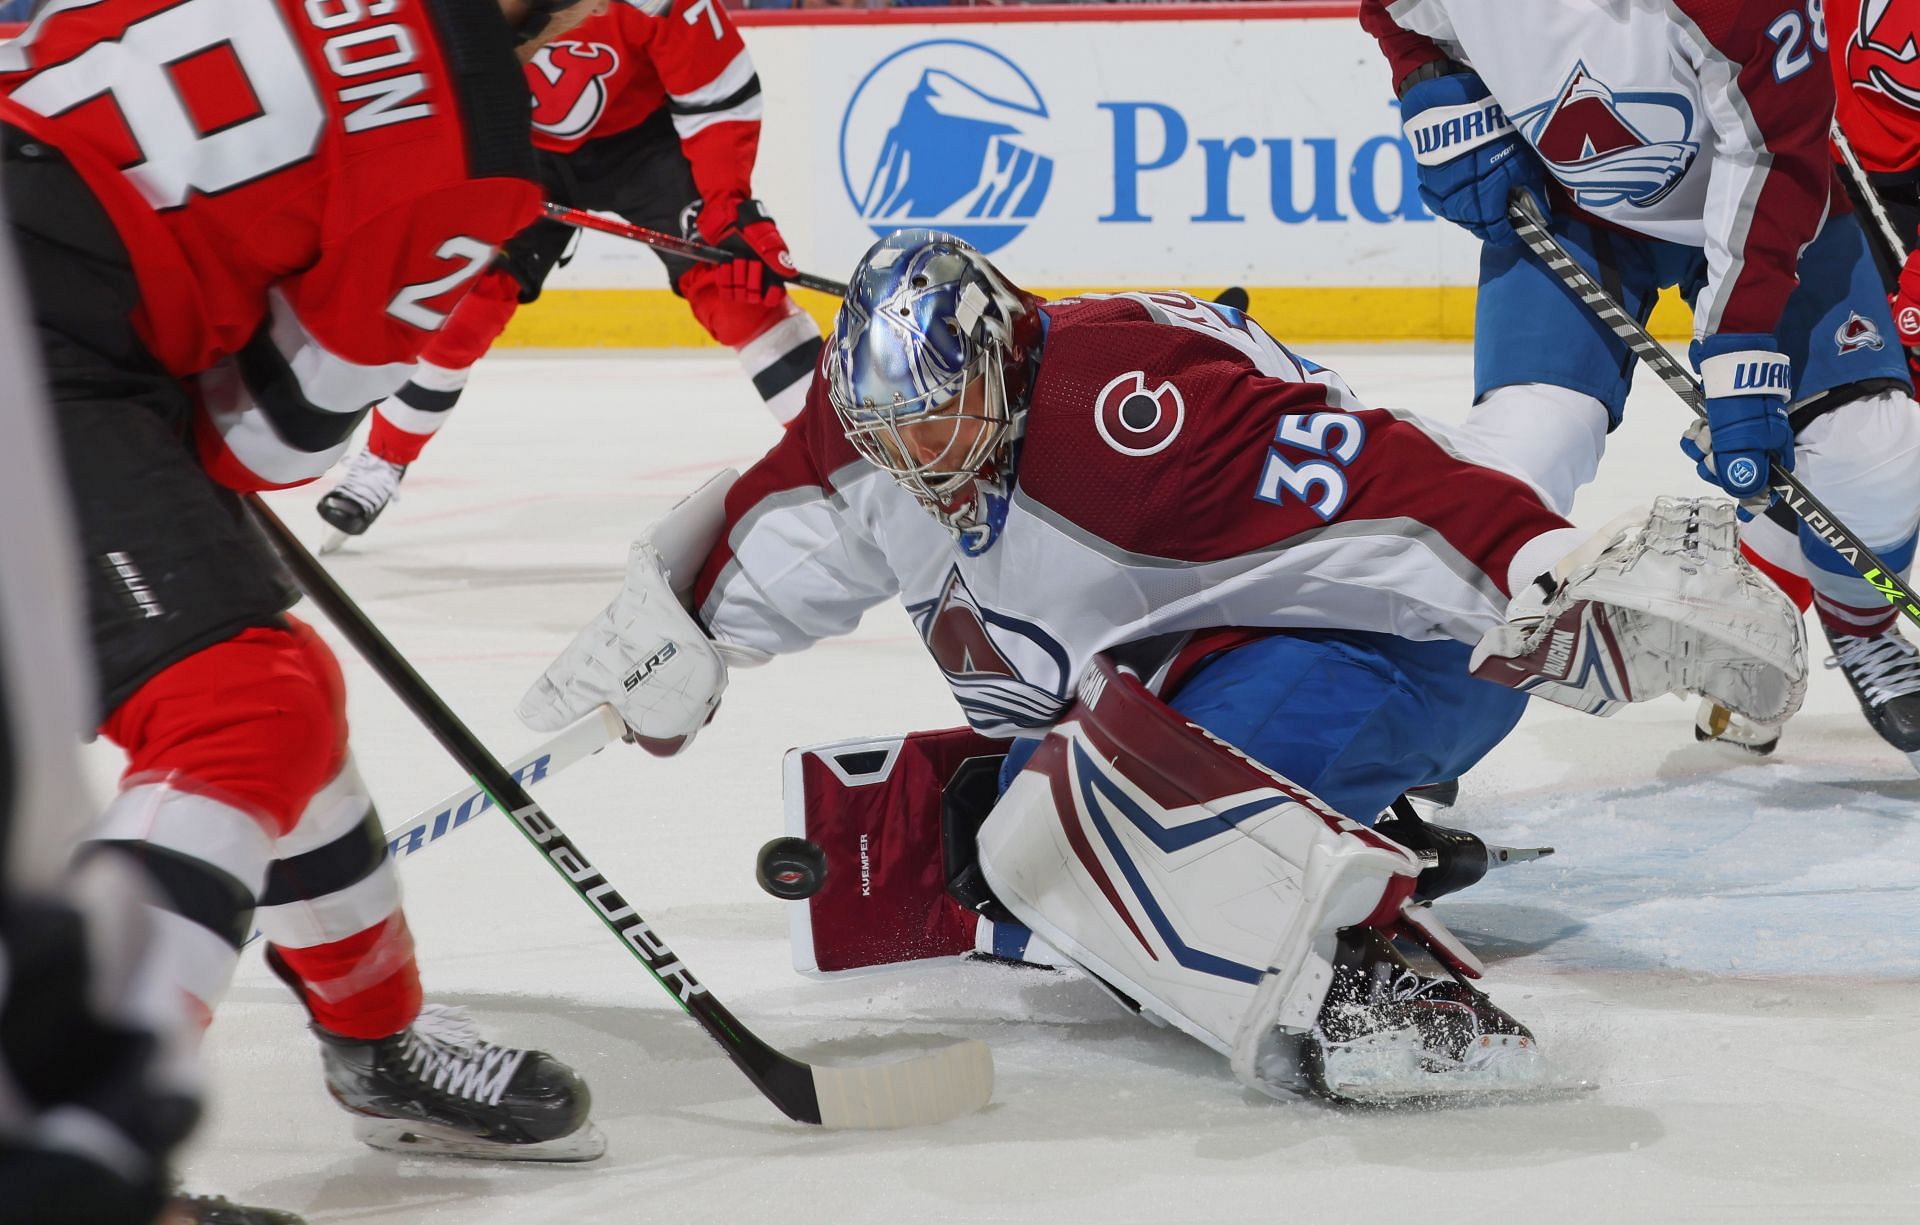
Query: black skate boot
437	1087
351	506
1389	1035
219	1210
1452	859
1884	671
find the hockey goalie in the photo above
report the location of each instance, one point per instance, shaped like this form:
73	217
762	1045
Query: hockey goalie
1225	612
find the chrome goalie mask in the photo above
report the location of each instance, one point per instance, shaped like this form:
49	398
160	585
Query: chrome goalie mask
929	368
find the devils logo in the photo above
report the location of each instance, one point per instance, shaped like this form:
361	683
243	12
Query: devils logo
1883	54
569	85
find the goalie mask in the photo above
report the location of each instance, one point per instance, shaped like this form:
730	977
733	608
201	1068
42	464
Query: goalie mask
929	369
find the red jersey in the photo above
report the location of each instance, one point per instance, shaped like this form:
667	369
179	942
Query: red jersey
613	72
1876	78
305	189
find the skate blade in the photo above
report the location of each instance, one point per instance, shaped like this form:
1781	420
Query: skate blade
335	539
1390	1070
428	1140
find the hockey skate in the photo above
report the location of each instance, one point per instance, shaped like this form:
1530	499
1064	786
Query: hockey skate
438	1088
219	1210
351	506
1884	671
1388	1035
1451	859
1716	724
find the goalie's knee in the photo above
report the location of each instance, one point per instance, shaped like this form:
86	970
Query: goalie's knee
1198	883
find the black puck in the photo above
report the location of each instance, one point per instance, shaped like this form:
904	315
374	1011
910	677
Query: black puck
791	868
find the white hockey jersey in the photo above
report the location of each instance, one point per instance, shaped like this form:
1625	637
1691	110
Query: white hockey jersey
1701	122
1183	479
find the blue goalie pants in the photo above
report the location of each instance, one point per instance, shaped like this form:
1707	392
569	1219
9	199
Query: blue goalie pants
1355	718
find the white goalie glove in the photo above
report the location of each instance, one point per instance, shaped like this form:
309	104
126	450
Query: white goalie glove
1664	604
645	655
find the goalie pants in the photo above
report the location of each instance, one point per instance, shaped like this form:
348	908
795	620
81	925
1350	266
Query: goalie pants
641	175
1857	428
238	792
1357	719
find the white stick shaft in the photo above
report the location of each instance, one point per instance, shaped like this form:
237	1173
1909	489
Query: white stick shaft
1865	187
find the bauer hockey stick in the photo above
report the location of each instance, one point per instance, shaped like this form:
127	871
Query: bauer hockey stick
1531	224
928	1088
660	240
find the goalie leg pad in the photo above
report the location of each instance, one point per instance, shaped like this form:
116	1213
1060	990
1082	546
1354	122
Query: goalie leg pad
1201	885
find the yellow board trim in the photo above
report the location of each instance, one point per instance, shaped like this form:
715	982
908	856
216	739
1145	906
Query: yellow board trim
656	319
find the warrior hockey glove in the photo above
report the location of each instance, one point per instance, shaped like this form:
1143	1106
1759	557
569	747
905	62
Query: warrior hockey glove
761	264
1747	383
1905	303
1470	159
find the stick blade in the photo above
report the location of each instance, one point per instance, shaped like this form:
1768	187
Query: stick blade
926	1089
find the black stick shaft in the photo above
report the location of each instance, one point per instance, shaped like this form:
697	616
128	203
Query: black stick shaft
1531	224
660	240
786	1082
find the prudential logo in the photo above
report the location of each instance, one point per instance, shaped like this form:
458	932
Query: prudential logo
945	134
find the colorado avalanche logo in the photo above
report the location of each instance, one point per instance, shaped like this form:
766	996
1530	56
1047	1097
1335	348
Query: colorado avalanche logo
569	85
1882	54
1612	146
1135	421
1858	333
1005	672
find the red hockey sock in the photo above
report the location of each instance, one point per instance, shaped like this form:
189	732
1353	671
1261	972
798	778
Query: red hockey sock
1843	621
1798	589
475	323
365	986
394	444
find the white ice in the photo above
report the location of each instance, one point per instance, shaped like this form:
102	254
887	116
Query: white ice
1723	944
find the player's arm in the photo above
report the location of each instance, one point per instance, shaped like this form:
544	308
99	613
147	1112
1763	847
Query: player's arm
1408	53
1768	110
713	94
343	334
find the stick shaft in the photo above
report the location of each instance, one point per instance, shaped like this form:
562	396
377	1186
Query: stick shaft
660	240
1531	224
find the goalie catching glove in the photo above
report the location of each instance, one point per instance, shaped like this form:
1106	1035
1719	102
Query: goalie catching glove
645	655
1663	605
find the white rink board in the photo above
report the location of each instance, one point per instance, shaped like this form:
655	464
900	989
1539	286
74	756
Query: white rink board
1260	152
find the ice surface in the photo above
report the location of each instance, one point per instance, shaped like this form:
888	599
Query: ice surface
1725	944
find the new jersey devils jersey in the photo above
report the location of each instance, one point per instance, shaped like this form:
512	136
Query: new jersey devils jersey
1876	76
305	188
1180	472
611	72
1701	122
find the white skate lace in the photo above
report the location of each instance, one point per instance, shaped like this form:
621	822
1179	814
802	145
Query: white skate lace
1883	667
445	1050
370	480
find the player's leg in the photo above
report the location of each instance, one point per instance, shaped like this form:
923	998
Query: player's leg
778	343
1221	898
1550	381
407	420
1357	719
1857	433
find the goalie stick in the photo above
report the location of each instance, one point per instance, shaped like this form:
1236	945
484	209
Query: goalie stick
660	240
1531	224
926	1088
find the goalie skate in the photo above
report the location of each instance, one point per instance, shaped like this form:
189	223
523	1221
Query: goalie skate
1714	723
1388	1035
437	1088
1665	605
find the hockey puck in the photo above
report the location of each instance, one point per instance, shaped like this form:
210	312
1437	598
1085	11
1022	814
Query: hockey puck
791	868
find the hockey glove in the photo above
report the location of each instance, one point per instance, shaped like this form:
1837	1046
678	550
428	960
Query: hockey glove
1747	383
1470	159
1905	304
645	656
761	264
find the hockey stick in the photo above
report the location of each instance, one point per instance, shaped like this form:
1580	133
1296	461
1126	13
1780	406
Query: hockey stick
1865	189
1531	224
582	740
926	1088
660	240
